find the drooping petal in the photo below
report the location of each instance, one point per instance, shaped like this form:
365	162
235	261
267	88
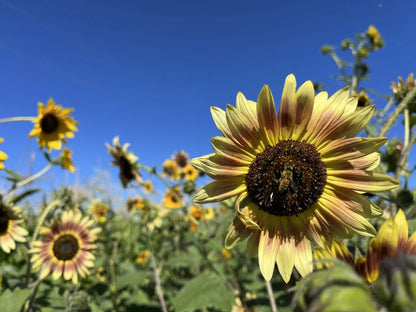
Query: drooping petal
237	233
267	252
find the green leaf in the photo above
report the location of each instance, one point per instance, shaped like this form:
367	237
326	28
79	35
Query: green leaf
17	198
203	291
12	301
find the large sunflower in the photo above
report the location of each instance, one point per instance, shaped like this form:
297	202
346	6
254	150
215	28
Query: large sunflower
66	248
52	125
10	230
297	176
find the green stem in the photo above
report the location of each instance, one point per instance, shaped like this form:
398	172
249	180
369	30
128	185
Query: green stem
271	297
28	304
403	104
405	155
406	127
35	176
17	119
158	283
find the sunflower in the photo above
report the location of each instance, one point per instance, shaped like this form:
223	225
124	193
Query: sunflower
297	176
3	156
173	199
133	203
10	231
190	173
99	210
66	160
148	186
142	257
181	159
170	169
126	161
66	248
52	125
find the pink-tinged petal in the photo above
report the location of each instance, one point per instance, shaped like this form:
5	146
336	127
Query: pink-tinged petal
287	109
361	180
268	248
285	258
351	147
214	170
57	272
303	257
219	190
248	109
242	130
226	148
70	269
303	109
351	220
218	115
403	230
411	244
266	114
367	162
237	233
372	263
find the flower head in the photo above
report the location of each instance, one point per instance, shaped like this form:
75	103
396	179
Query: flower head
10	231
297	175
181	160
375	37
173	199
66	160
3	156
170	169
148	186
66	248
99	210
52	125
142	257
125	160
190	173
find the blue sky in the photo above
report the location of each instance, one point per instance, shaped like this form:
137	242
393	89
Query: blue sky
149	71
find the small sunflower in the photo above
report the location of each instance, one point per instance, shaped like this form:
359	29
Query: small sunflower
10	231
173	199
297	176
3	156
126	161
181	159
66	248
135	203
66	160
362	99
170	169
190	173
52	125
142	257
148	186
375	37
99	210
196	214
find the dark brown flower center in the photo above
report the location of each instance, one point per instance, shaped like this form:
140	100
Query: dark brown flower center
286	179
65	247
4	223
49	123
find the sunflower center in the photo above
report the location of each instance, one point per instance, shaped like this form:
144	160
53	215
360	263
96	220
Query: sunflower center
286	179
65	247
49	123
4	223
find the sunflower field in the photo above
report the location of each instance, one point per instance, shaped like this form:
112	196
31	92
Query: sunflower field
304	204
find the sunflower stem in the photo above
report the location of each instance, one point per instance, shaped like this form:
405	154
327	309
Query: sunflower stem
17	119
28	304
35	176
271	297
403	104
406	127
405	155
158	283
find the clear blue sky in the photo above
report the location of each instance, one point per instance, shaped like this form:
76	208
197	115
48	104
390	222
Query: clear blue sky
149	70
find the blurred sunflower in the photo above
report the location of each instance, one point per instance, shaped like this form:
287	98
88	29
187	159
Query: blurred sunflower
99	210
3	156
134	203
66	160
52	125
297	176
125	160
195	214
66	248
10	231
148	186
181	160
391	240
142	257
173	199
170	169
190	173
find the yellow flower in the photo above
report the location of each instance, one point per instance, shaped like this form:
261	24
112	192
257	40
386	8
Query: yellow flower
392	239
148	186
99	210
134	203
375	37
173	199
190	172
209	213
52	125
226	253
125	160
3	156
10	231
66	160
142	257
181	160
297	175
66	248
170	169
362	99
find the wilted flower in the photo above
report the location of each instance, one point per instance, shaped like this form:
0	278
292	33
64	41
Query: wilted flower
52	125
125	160
297	176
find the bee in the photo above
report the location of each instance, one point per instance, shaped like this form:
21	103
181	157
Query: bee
286	180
